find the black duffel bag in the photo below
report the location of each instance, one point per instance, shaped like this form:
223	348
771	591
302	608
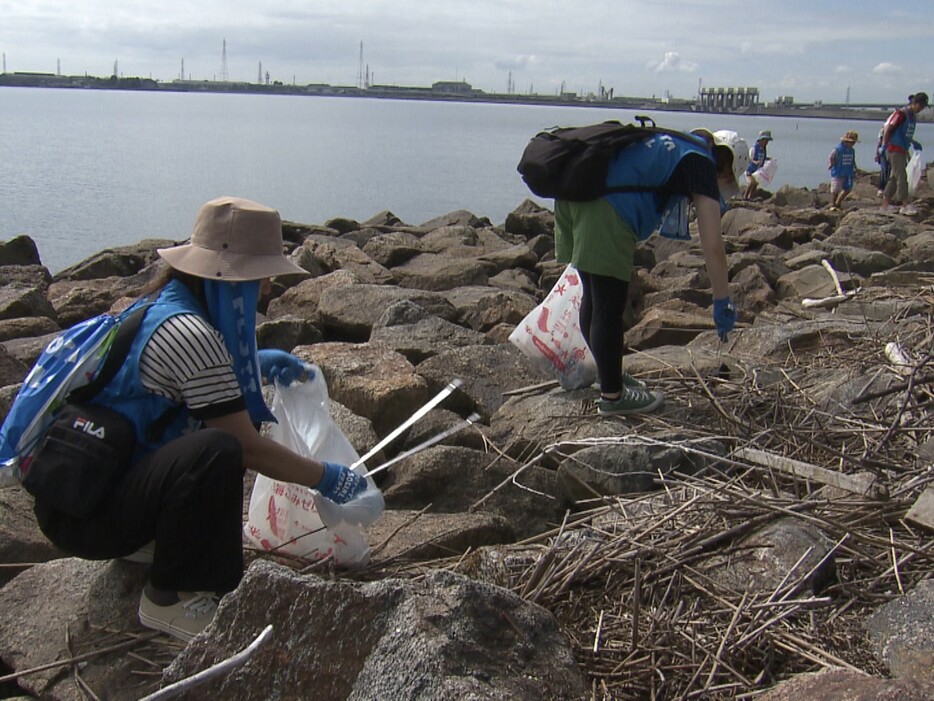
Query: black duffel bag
85	450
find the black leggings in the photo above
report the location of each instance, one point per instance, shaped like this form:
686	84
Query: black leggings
601	319
187	496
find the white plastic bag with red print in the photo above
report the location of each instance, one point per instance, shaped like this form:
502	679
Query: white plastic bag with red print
295	520
551	335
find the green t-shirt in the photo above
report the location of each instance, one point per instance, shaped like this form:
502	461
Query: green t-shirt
594	238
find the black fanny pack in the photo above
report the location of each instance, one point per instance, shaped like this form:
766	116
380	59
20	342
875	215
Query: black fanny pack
85	450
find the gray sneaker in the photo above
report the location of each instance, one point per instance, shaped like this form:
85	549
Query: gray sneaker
632	401
183	619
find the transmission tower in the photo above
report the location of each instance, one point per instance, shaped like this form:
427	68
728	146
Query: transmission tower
360	68
259	76
181	75
224	63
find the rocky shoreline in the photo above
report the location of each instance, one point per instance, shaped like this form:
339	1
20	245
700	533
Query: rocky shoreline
764	532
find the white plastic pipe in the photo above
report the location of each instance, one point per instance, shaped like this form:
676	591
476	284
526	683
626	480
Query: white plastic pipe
438	398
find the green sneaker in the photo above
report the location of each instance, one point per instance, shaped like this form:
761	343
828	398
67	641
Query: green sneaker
632	401
628	381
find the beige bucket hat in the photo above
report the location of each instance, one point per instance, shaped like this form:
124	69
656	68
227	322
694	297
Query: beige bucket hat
233	240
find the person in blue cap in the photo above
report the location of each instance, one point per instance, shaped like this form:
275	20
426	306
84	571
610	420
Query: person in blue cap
758	155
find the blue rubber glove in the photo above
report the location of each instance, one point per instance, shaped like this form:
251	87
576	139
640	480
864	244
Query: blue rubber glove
724	316
284	368
340	484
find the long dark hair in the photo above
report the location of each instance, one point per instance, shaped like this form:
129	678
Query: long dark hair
167	273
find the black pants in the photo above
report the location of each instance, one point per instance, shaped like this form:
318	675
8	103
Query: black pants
187	496
601	318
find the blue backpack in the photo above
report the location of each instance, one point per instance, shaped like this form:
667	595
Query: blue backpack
74	367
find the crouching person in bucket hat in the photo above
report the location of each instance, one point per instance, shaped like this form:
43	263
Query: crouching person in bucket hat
191	387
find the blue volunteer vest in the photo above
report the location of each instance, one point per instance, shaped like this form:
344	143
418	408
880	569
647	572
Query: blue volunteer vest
844	165
649	164
904	134
126	394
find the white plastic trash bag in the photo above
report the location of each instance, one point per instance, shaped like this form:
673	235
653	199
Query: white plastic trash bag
766	173
551	335
296	520
915	169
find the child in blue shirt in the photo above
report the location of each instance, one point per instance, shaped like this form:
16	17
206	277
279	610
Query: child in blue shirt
842	165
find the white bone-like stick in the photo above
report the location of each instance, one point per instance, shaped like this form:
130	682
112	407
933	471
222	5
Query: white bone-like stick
222	667
438	398
470	420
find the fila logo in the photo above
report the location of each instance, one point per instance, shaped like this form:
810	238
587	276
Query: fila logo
83	424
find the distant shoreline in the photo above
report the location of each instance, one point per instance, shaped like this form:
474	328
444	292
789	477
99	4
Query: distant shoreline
873	113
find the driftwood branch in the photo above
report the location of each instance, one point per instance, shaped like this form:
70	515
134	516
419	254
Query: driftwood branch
78	658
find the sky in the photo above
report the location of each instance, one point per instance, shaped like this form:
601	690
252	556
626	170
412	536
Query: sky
836	51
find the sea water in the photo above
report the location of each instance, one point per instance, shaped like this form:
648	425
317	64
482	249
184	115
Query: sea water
84	170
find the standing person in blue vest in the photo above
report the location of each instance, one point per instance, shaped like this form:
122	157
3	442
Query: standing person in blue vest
599	238
898	137
842	166
191	388
757	157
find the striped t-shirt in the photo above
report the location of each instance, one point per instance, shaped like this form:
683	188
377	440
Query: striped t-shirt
186	361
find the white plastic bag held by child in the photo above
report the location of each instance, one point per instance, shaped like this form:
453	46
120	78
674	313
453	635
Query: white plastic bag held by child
296	520
551	335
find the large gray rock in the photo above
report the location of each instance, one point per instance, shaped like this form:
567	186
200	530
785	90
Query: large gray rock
441	637
408	329
27	326
902	632
77	300
437	272
324	254
787	553
486	371
628	468
838	684
529	220
24	292
393	248
660	326
350	311
19	250
371	380
12	369
301	300
413	535
874	231
123	261
453	479
813	281
483	307
58	607
21	541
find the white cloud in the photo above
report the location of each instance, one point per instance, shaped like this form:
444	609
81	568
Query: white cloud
842	69
885	68
673	62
